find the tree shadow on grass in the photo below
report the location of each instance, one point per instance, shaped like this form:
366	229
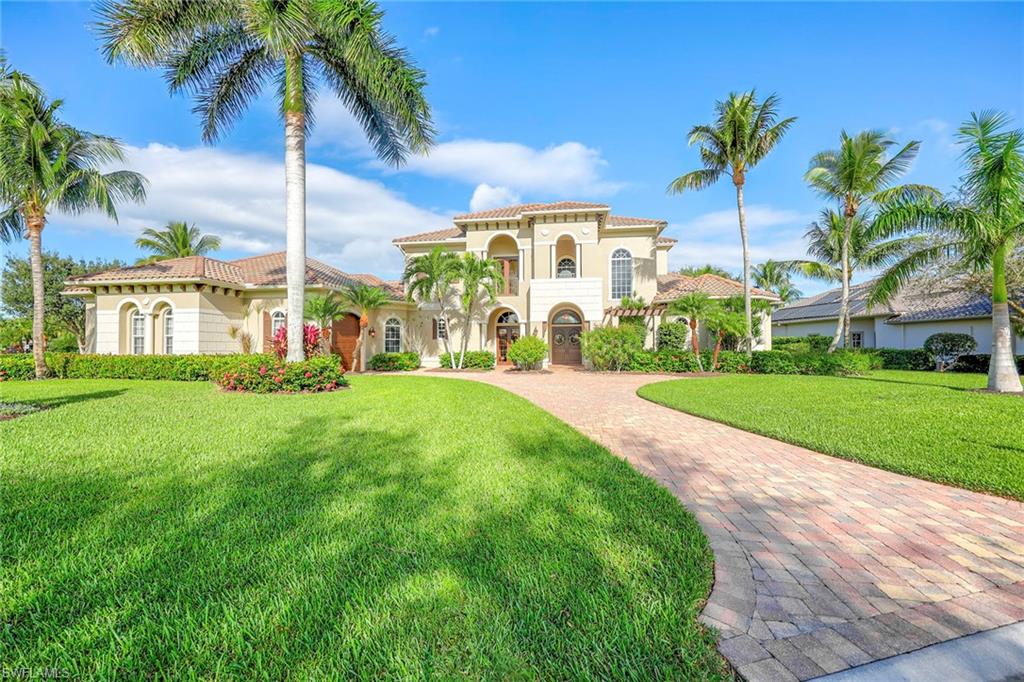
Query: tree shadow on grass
62	400
343	550
918	384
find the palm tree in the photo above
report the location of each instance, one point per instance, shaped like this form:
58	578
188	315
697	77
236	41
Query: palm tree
224	51
743	134
482	279
706	269
365	299
47	165
774	276
722	323
868	248
856	173
695	306
980	227
177	239
324	310
429	278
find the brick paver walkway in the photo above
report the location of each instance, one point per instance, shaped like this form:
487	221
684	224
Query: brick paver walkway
820	564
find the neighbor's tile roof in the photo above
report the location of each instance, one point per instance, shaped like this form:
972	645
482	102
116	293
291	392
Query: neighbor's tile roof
256	271
514	212
665	241
626	221
189	268
432	236
674	285
952	304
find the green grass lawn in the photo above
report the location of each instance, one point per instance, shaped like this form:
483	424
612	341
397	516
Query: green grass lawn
410	527
924	424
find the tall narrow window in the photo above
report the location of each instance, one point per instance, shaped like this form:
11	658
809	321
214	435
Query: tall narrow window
566	268
622	273
276	323
169	332
138	333
442	328
392	336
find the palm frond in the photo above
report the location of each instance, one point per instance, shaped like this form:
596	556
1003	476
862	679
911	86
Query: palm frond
901	272
695	180
225	97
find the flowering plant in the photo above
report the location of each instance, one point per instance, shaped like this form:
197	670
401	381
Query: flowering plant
317	374
310	341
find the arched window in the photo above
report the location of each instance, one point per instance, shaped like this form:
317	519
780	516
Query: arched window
276	323
566	317
566	268
393	336
138	333
622	273
169	332
508	317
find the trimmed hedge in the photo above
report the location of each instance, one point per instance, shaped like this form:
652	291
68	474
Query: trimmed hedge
166	367
840	363
317	374
475	359
773	362
801	344
672	336
395	362
900	358
978	363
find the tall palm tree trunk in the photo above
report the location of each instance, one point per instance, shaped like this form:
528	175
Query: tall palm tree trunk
695	343
295	201
746	268
844	301
1002	370
35	225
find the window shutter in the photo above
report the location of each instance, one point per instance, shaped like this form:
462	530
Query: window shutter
434	335
267	346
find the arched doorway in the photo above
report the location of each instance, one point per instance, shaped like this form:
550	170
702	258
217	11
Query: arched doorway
566	327
506	330
344	336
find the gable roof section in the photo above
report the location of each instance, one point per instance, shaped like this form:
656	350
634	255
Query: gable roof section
674	285
432	236
188	269
627	221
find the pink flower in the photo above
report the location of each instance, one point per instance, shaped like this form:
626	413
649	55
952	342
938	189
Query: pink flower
308	374
280	370
263	370
278	379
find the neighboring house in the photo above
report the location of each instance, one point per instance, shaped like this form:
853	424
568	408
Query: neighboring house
567	266
914	314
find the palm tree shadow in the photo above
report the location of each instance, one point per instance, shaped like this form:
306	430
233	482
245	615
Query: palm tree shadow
918	384
63	400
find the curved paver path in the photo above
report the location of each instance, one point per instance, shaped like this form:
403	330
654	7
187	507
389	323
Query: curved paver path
820	564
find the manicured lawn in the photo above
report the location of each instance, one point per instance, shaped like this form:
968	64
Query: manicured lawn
410	527
924	424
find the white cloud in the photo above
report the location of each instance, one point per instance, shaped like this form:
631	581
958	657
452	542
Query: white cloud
350	222
759	217
485	197
335	126
569	170
431	32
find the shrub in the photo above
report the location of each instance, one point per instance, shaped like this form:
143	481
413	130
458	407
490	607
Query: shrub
17	366
839	363
63	343
674	361
528	352
310	341
167	367
905	358
729	361
673	336
801	344
475	359
611	348
395	362
313	375
772	362
977	363
946	347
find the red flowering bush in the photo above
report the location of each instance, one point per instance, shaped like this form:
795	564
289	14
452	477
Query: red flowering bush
314	375
310	341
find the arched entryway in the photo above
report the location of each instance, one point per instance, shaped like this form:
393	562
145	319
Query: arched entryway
344	337
506	330
566	328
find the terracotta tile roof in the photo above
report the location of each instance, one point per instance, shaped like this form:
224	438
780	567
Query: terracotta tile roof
673	286
76	291
626	221
268	270
190	268
517	211
432	236
665	241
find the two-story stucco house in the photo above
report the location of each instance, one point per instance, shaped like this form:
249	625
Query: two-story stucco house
567	266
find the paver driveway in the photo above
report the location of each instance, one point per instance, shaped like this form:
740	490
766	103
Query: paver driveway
820	564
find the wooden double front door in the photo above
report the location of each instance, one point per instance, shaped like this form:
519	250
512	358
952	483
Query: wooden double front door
507	333
344	336
566	328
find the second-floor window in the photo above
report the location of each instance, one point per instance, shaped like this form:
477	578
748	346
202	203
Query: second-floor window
622	273
566	268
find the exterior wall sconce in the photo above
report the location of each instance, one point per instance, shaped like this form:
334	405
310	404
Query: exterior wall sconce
373	333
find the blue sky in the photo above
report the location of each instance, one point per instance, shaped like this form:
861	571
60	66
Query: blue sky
542	102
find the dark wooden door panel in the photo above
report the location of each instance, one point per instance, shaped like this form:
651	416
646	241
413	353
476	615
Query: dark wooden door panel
344	336
565	344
